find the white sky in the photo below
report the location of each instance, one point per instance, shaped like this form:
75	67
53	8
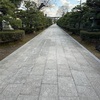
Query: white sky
56	7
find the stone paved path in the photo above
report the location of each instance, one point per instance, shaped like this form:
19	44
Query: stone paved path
52	66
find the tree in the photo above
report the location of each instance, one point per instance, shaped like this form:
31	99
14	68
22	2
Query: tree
94	6
17	3
83	14
29	14
43	3
72	19
6	8
94	3
30	5
32	18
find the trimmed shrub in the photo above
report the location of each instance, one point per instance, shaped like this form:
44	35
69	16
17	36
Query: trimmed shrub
16	23
67	28
85	35
74	31
97	47
14	35
39	28
28	30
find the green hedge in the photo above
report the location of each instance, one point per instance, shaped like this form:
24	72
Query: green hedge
85	35
74	30
39	28
14	35
31	30
28	30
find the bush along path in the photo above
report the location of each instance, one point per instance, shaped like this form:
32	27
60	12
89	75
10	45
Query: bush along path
10	36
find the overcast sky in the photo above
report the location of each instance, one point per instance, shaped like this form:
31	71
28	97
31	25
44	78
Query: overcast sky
56	7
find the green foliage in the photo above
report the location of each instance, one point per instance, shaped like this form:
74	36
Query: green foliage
71	20
16	23
84	18
94	6
74	31
16	2
28	30
14	35
32	18
6	7
93	3
30	5
85	35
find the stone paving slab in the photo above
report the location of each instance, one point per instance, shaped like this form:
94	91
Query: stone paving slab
52	66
